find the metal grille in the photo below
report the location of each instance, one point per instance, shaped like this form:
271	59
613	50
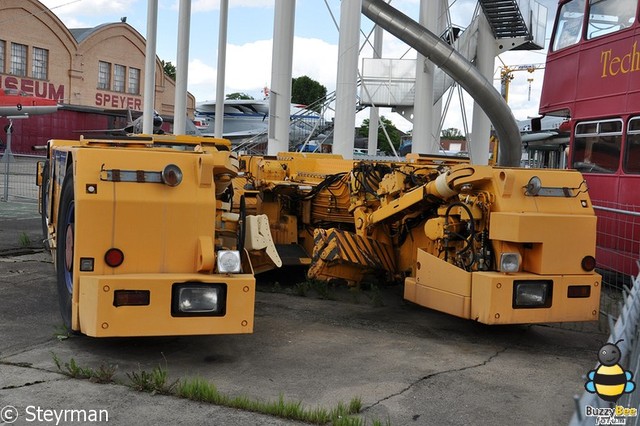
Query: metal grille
18	178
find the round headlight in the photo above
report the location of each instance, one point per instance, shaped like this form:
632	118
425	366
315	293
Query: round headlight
172	175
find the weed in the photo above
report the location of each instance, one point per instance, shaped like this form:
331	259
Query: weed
154	382
104	374
72	369
62	332
301	289
24	240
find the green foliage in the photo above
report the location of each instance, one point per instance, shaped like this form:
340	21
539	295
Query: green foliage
452	133
238	95
154	382
383	143
307	91
104	374
24	239
169	69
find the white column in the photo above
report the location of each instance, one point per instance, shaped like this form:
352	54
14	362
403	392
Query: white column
374	112
481	127
182	68
346	90
280	93
222	63
150	67
423	138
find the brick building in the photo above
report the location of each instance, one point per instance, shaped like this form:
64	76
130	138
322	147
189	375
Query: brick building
96	74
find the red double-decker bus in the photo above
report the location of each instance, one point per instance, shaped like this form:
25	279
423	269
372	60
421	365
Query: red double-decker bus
592	78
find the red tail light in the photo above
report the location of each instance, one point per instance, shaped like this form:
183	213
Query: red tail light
114	257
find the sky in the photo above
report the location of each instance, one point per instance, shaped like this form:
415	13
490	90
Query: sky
249	45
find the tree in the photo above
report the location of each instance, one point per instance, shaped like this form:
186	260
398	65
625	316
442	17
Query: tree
307	91
383	144
238	95
169	69
452	133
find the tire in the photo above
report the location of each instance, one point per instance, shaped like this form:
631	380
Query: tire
44	199
65	248
242	224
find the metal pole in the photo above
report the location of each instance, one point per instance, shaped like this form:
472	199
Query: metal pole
150	67
374	112
481	125
280	94
182	68
346	81
222	64
422	140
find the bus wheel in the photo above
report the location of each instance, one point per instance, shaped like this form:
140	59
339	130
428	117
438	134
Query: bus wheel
65	246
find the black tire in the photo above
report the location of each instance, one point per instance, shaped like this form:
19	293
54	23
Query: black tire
242	224
44	199
64	232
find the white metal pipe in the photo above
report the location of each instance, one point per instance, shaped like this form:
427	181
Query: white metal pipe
182	68
222	63
423	138
346	81
150	67
282	62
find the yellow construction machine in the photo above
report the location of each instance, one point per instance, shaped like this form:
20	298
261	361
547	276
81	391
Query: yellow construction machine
497	245
143	238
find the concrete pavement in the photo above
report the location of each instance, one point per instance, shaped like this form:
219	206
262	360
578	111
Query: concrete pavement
410	365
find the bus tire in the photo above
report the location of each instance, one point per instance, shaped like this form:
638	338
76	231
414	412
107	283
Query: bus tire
65	248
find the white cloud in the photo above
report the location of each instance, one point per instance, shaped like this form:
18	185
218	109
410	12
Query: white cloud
79	13
249	67
207	5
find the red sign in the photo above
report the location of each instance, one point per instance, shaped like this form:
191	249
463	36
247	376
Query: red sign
37	88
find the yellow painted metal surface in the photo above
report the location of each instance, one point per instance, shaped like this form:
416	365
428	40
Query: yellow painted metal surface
556	243
98	317
439	285
492	299
167	233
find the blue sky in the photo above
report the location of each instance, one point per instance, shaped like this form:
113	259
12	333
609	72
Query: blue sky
250	31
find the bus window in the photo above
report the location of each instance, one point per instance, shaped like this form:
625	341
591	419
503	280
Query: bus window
632	151
597	146
607	16
569	26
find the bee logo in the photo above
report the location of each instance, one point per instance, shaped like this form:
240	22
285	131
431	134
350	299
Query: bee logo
609	380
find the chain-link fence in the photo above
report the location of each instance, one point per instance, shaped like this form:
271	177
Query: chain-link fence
18	177
625	328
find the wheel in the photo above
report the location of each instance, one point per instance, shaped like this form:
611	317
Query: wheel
44	200
242	224
64	253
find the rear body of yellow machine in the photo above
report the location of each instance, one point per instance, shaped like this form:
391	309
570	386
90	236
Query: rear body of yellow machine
132	226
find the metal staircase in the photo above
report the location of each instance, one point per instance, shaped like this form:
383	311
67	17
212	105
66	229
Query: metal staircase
515	19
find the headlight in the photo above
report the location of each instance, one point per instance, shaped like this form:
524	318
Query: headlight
198	299
510	262
532	294
228	261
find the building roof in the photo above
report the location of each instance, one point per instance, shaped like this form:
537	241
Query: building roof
81	34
